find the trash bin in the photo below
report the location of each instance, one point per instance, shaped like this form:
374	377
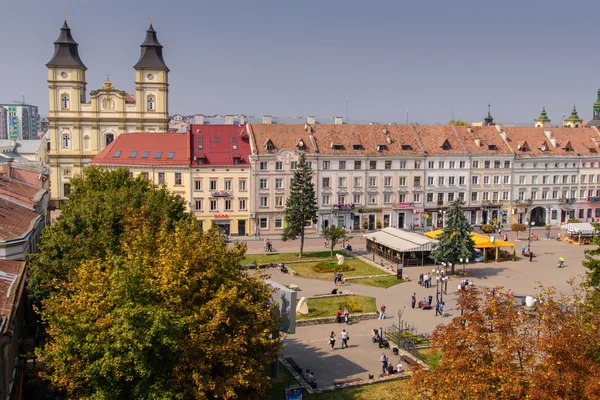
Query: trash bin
399	271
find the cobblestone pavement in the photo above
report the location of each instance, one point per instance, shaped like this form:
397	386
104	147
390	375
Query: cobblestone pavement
308	346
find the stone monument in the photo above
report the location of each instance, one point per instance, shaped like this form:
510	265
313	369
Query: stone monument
302	306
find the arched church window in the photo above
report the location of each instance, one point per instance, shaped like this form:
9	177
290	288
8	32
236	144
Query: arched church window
64	102
109	138
66	189
151	103
66	141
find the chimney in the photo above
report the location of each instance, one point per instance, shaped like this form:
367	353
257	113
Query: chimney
198	119
478	142
548	133
553	141
311	120
267	119
338	120
503	135
229	120
242	119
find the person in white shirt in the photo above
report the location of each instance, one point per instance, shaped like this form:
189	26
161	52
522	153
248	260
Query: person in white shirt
345	337
400	368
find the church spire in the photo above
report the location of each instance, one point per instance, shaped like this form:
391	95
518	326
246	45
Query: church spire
595	121
151	56
66	53
487	121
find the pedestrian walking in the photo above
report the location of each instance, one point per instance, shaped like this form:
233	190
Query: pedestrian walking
326	243
332	340
346	315
413	300
338	316
430	299
421	280
344	335
523	250
380	332
335	278
442	306
437	308
382	311
384	363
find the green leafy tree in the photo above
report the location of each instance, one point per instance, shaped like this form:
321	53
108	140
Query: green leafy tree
301	205
455	241
91	224
335	235
169	317
592	262
458	122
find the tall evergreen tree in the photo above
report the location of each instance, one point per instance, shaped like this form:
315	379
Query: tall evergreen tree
592	263
455	242
301	205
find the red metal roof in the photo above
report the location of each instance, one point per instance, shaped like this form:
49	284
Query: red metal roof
15	220
19	192
220	144
147	149
11	290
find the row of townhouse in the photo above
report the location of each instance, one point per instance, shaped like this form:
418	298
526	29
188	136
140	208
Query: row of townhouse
238	176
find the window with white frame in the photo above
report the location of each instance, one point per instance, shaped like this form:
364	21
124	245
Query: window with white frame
264	201
227	205
507	164
534	195
388	164
485	195
372	164
242	184
451	164
325	164
197	184
278	165
387	181
506	179
440	164
440	180
227	184
178	178
161	178
402	164
545	179
401	197
372	181
278	222
417	181
417	164
213	205
544	195
263	223
505	195
294	165
278	183
198	204
387	198
341	199
451	180
263	183
242	204
475	180
357	182
430	165
326	183
474	196
591	179
278	201
486	179
65	103
429	197
461	196
357	199
213	184
450	196
357	164
263	166
342	165
430	180
372	199
326	199
497	164
583	178
573	178
151	103
417	197
342	182
402	181
461	180
496	179
462	164
475	164
555	194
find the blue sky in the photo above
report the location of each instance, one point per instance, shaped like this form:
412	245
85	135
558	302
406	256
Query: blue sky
298	58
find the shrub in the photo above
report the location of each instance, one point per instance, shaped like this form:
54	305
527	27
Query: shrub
573	221
365	225
378	224
351	304
518	227
331	266
487	228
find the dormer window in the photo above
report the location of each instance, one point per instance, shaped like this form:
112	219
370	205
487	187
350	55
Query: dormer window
269	145
301	145
357	147
445	145
568	147
337	146
543	146
523	146
492	147
406	147
381	147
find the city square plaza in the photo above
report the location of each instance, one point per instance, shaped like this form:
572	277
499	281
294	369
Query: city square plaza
309	345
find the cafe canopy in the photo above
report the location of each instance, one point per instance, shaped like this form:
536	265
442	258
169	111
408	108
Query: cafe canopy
481	241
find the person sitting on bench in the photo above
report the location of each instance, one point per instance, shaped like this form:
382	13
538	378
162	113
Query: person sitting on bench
282	268
349	247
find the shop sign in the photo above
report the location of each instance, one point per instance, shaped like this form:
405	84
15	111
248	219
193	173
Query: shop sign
405	204
221	216
368	210
221	193
418	211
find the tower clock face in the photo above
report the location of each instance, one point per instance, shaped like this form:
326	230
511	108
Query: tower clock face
150	76
64	75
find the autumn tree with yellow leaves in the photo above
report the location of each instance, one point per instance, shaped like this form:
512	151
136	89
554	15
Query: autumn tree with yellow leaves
499	350
169	315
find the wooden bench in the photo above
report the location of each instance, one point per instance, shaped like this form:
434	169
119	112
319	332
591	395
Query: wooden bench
408	360
338	382
293	364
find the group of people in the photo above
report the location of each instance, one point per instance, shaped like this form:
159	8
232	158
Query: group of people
282	268
465	284
439	308
378	338
343	335
387	368
424	304
309	377
337	278
268	246
425	280
338	316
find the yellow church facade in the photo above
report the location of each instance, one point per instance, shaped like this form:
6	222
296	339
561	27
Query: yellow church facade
81	127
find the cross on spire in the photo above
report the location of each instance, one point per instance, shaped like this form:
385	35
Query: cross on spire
65	14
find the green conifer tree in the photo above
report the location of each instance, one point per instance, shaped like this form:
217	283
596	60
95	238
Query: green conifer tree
455	242
301	205
592	263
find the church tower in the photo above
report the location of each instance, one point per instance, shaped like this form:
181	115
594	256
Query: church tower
489	120
152	85
596	114
573	120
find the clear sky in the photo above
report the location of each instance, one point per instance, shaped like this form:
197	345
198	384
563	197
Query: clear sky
298	58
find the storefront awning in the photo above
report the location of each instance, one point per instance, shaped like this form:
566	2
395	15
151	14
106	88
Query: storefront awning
401	240
481	241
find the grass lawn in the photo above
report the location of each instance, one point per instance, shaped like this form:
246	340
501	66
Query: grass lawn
279	257
327	306
379	391
430	357
361	268
384	281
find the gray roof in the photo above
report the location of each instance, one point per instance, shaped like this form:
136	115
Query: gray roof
593	122
66	53
23	146
151	57
401	240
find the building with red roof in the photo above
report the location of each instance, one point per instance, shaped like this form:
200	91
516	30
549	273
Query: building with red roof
221	176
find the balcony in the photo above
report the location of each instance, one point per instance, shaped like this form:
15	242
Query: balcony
523	201
570	200
343	207
440	203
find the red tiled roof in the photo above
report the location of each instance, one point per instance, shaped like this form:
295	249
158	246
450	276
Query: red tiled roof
434	136
129	99
19	192
580	140
11	289
490	140
15	220
332	139
146	149
215	144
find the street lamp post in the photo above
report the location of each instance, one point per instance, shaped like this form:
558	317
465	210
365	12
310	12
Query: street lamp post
373	244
